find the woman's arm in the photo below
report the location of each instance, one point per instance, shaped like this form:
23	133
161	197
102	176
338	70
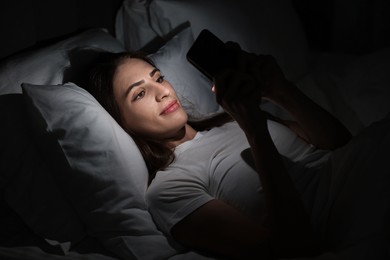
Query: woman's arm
218	228
289	225
313	123
222	230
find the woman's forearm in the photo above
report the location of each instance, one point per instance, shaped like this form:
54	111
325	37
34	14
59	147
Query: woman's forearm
287	217
320	127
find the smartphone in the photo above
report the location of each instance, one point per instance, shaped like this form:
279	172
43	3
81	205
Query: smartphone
208	54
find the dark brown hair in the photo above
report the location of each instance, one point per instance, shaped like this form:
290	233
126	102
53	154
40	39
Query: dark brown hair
156	154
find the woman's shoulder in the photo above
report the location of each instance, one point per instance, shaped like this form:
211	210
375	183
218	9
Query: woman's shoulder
225	131
177	185
191	167
183	172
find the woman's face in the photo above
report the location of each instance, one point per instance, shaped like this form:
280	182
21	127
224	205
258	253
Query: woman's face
148	104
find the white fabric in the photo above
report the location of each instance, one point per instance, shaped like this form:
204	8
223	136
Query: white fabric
214	165
205	168
47	65
26	182
98	168
33	193
352	206
267	27
135	24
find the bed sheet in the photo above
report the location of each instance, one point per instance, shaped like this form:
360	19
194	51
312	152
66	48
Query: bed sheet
353	201
352	208
35	253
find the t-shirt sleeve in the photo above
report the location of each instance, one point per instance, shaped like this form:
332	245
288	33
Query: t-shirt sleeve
175	193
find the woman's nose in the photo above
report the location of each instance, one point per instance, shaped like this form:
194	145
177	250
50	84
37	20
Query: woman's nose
162	92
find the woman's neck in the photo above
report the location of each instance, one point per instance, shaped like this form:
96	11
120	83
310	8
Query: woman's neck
186	133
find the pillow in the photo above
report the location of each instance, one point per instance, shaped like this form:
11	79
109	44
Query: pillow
134	27
98	168
47	65
28	186
267	27
26	183
191	86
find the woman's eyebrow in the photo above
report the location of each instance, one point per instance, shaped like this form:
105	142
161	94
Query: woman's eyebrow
133	86
151	74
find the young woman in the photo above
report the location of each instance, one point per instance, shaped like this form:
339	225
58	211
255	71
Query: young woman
219	186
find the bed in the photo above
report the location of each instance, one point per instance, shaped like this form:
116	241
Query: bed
72	181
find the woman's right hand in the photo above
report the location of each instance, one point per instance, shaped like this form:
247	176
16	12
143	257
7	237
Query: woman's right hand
239	95
237	88
269	77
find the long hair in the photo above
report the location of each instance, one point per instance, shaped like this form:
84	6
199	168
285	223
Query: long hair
156	154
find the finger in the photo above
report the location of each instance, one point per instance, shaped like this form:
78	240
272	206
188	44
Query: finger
237	87
256	70
241	85
230	86
260	69
243	61
221	82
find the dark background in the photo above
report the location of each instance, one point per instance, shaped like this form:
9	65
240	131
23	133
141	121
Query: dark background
355	26
26	23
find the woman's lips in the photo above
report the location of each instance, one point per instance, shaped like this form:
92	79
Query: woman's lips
171	107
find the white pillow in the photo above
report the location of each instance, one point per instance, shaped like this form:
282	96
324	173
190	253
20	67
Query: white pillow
31	190
134	25
98	168
47	65
263	27
192	87
26	182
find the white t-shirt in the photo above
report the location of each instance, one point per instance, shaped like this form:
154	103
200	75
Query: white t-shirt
215	165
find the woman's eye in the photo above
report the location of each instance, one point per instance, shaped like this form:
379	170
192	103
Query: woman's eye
160	79
139	95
